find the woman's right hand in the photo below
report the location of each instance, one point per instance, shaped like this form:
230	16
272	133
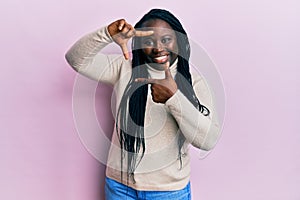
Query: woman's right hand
121	32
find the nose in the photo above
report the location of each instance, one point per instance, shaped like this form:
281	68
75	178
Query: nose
158	47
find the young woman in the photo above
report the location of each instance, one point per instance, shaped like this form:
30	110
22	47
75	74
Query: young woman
161	107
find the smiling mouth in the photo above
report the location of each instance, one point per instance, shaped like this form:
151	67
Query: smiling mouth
161	59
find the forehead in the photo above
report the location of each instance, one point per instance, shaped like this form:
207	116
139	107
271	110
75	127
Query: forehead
158	26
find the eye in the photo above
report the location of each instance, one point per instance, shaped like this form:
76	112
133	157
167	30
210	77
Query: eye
166	40
148	42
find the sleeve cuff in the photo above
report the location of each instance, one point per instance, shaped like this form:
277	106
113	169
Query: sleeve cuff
173	99
175	102
107	34
103	35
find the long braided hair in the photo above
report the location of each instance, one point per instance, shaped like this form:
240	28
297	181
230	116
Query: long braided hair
131	112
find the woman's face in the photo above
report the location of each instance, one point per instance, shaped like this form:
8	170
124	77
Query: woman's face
161	46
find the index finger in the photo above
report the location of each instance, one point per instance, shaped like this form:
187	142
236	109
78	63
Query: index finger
145	80
143	33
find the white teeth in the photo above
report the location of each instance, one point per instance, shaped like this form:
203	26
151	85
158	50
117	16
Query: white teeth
161	58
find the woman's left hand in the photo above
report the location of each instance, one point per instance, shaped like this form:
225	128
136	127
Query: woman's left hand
161	89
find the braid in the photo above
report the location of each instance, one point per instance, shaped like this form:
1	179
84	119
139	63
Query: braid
131	112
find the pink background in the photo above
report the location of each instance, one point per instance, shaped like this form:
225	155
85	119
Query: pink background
254	43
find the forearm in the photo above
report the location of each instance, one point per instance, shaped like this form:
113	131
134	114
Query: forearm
86	48
199	130
85	58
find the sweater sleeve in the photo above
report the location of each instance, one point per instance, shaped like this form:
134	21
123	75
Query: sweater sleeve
199	130
84	57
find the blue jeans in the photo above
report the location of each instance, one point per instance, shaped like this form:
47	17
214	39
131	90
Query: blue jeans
118	191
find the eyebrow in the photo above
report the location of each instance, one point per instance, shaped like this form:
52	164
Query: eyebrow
151	36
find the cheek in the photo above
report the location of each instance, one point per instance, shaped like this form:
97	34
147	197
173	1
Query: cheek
147	51
173	48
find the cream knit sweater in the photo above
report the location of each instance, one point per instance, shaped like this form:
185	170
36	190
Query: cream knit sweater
160	167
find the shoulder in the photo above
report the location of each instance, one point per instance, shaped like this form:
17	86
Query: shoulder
197	78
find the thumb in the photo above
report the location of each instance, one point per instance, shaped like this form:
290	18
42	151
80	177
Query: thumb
125	50
167	70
